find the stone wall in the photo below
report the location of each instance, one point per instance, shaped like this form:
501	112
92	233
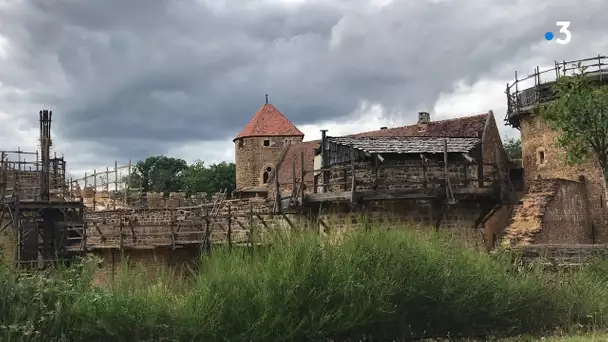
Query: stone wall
551	211
166	227
565	255
153	263
457	221
542	159
252	158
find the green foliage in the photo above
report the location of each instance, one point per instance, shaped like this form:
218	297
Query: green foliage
513	148
580	115
166	174
160	173
379	284
211	179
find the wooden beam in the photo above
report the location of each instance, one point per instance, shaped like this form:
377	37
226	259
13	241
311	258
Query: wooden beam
277	199
424	180
353	180
468	158
380	157
229	227
261	220
302	174
288	221
319	221
293	179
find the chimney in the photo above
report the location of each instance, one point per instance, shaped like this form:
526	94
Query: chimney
383	128
424	117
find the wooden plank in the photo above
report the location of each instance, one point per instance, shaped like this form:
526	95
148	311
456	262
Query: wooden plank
261	220
329	196
229	226
288	221
302	174
354	182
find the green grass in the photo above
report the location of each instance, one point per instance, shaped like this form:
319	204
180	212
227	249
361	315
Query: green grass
386	285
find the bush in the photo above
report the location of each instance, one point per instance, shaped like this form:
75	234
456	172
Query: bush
383	285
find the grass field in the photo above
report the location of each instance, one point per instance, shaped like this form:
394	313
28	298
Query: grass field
383	285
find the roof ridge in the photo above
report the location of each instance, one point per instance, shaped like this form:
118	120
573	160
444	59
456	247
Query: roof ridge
269	121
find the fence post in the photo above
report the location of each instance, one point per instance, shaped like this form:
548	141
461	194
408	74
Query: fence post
229	226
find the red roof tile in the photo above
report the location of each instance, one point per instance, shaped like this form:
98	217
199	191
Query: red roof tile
467	126
268	121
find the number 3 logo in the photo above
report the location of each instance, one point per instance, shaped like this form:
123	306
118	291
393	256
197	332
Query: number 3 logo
564	29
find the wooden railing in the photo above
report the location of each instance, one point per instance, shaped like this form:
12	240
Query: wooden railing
426	176
535	88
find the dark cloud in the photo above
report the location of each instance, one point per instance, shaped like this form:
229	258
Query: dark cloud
117	72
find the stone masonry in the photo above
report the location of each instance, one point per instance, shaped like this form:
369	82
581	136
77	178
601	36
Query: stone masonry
552	211
254	158
543	160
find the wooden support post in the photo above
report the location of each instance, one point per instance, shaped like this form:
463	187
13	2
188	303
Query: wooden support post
302	174
229	226
207	232
115	184
121	238
353	180
466	174
171	230
94	190
425	184
250	222
288	221
293	181
345	179
127	186
314	184
277	198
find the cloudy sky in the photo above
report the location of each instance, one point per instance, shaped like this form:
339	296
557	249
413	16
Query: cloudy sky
129	79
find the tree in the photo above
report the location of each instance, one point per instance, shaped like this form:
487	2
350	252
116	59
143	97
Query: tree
513	148
580	116
160	174
199	178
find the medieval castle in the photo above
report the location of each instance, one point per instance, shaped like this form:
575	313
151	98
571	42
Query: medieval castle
449	175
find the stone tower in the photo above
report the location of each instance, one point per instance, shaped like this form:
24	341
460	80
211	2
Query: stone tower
541	159
260	144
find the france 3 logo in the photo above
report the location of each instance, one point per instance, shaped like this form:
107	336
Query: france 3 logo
566	35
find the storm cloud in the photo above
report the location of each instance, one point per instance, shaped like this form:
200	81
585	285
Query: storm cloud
127	79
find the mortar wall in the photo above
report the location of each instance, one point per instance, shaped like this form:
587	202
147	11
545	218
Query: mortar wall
252	158
458	220
543	159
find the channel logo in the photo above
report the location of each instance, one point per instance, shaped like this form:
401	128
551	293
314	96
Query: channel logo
563	30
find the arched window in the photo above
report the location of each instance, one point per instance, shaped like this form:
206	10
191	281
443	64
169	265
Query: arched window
266	174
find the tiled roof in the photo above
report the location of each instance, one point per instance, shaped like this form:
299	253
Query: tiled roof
268	121
466	126
403	145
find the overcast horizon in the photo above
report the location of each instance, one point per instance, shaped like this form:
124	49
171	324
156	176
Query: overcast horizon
130	79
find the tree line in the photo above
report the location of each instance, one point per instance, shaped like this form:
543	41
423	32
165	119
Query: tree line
167	174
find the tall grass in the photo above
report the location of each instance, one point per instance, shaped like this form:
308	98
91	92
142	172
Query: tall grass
383	285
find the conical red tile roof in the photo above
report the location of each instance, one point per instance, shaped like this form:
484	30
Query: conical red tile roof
268	121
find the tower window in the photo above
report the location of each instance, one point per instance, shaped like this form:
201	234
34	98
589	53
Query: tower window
541	159
266	142
240	143
266	174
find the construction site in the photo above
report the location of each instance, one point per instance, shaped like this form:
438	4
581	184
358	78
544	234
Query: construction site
446	175
46	218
